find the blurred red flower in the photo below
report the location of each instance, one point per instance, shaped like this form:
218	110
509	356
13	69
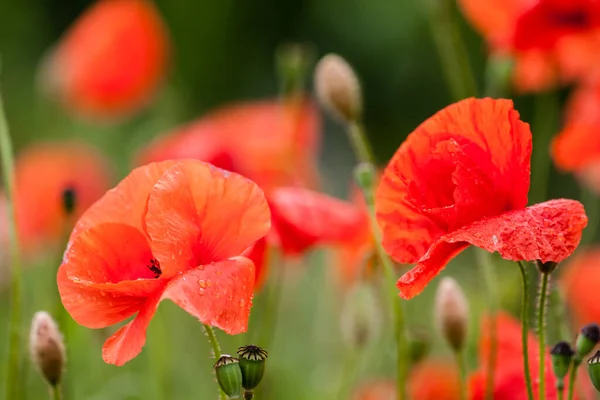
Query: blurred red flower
579	281
171	230
461	178
550	40
272	142
111	61
43	172
509	380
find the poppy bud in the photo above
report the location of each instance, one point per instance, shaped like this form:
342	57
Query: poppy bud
587	339
365	175
594	370
229	376
419	345
452	312
252	364
47	348
69	200
338	88
360	317
561	353
546	267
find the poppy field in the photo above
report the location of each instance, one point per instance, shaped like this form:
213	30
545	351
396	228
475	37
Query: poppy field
300	200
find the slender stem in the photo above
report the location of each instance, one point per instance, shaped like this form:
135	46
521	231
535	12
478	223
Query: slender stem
248	394
268	325
451	50
525	329
214	343
6	152
491	288
541	324
545	124
560	389
462	371
572	375
360	143
56	393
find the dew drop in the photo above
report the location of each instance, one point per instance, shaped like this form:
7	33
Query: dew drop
202	283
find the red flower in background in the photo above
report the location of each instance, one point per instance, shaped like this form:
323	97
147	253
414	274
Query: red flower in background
550	40
461	178
274	143
111	61
171	230
579	281
43	172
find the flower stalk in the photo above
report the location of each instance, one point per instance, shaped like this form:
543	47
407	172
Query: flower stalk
541	324
490	280
216	348
525	329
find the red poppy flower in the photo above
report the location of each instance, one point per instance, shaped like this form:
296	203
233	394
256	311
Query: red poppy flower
116	72
509	381
461	178
43	173
580	280
171	230
550	39
274	143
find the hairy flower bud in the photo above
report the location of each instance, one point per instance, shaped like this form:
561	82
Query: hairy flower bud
586	340
360	318
452	313
229	376
47	347
338	88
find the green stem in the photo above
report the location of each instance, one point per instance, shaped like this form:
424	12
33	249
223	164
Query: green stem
268	322
360	143
545	124
6	152
451	50
214	343
56	393
572	375
491	287
462	370
248	394
542	333
525	329
560	389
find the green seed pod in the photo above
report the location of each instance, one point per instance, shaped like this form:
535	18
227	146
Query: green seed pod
594	370
587	339
365	175
252	364
562	354
229	376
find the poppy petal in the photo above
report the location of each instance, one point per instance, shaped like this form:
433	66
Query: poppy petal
128	341
303	218
547	231
126	203
495	19
259	253
203	214
218	294
92	307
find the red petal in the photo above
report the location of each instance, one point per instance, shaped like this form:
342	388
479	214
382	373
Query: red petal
468	161
128	341
218	294
257	253
198	214
547	231
580	280
303	218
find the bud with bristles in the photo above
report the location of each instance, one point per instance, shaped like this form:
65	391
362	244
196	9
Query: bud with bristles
360	317
586	340
562	354
594	370
252	363
452	313
47	347
229	376
338	88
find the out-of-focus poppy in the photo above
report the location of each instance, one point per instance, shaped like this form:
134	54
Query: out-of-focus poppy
44	173
111	61
274	143
551	40
509	379
428	380
171	230
461	178
580	280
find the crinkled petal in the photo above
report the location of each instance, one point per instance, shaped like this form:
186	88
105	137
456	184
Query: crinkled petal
198	214
218	294
259	253
548	231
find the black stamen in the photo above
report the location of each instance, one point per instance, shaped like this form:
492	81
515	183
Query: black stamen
154	266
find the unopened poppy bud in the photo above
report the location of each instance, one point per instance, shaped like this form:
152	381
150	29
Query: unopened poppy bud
360	317
338	88
252	363
586	340
69	200
594	370
47	347
546	267
365	175
561	353
229	376
419	345
452	312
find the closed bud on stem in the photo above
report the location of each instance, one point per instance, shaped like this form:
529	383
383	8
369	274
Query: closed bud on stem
365	175
229	376
586	340
562	353
338	88
360	317
47	348
252	364
594	370
452	313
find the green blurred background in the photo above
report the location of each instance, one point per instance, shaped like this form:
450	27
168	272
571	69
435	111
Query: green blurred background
224	51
